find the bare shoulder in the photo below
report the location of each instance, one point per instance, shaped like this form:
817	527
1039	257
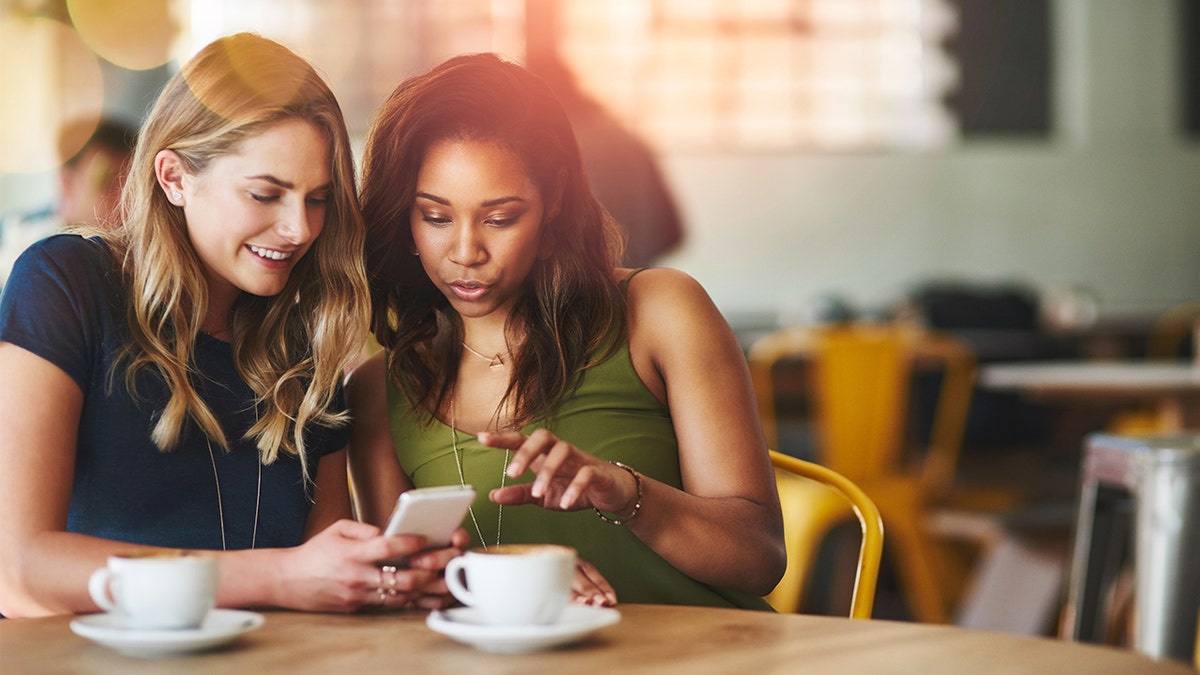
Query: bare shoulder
664	293
366	380
664	286
671	319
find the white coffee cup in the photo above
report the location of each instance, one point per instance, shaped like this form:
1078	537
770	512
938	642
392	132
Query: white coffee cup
160	590
514	584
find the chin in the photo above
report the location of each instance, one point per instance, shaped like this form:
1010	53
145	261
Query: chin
264	290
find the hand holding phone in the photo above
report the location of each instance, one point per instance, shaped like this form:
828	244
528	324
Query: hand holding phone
433	512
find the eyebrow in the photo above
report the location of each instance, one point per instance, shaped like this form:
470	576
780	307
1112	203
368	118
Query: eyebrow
273	181
491	202
285	184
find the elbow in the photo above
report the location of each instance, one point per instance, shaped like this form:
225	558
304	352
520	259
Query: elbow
21	586
765	559
16	601
778	567
12	594
763	563
16	610
8	608
772	556
771	564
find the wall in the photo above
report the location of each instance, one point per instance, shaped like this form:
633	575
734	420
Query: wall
1111	202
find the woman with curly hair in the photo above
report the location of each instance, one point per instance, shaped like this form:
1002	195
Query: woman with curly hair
613	405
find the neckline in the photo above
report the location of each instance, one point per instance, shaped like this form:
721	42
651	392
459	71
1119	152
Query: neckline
213	339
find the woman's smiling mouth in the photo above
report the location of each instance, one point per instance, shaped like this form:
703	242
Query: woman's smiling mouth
269	254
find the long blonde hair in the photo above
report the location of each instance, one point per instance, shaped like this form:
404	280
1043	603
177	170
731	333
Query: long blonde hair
291	348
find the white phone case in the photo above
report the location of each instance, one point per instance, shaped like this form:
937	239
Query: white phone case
434	512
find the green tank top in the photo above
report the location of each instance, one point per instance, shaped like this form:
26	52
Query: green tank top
614	417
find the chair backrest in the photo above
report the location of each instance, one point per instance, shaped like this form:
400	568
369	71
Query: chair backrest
799	544
861	384
1172	329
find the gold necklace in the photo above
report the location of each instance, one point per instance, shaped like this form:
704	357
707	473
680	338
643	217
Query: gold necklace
220	505
496	361
462	480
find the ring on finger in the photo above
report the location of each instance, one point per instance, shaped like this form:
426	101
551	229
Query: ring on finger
390	570
383	594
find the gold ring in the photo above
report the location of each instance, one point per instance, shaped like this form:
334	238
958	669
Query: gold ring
391	572
390	591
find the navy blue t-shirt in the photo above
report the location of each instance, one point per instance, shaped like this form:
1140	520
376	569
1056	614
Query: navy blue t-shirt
65	302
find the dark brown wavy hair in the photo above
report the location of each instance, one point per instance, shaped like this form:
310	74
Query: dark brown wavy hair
572	308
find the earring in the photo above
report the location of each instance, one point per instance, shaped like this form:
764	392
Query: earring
176	196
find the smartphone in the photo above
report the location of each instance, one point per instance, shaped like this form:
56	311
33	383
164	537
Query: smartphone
434	512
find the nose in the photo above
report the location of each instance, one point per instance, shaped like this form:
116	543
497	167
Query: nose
297	224
468	248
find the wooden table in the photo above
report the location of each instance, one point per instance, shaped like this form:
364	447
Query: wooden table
1172	386
649	638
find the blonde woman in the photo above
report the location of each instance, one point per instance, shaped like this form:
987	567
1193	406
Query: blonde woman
176	382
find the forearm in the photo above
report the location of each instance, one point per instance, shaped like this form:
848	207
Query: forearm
725	541
48	574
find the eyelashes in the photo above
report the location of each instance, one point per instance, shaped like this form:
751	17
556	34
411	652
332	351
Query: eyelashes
271	199
443	221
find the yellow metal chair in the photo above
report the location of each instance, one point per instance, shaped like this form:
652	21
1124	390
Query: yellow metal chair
862	375
809	511
1167	336
1174	327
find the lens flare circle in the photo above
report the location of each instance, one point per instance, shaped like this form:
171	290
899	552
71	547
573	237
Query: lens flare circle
133	34
47	76
273	89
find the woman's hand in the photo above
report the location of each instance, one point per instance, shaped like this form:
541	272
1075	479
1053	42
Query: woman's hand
434	594
568	479
590	587
343	568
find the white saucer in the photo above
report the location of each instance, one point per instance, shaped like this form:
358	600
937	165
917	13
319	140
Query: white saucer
111	630
463	625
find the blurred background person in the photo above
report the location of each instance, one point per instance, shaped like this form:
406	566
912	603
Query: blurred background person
89	186
621	167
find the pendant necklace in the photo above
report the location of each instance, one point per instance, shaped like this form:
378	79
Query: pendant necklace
462	480
220	505
496	361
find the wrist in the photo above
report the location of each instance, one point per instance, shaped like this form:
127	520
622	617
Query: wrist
630	512
246	578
